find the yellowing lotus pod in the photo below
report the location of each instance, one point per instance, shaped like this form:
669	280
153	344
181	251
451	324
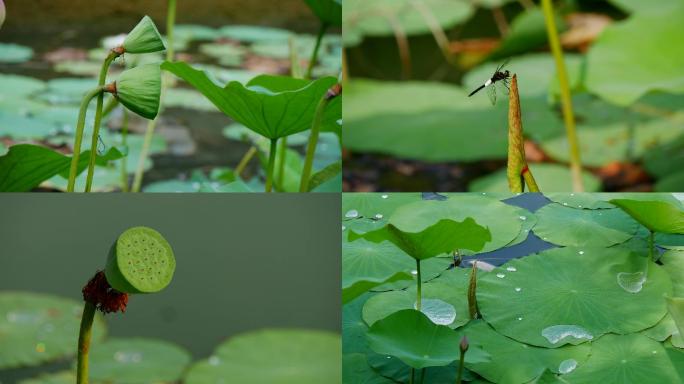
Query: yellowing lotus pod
144	38
139	89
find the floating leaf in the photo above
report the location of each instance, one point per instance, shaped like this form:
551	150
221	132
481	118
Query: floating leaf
272	106
567	226
14	53
514	362
13	86
38	328
372	205
366	265
417	341
65	377
254	34
274	356
571	295
355	369
657	216
579	200
137	360
635	358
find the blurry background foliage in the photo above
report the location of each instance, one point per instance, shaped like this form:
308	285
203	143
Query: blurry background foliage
411	64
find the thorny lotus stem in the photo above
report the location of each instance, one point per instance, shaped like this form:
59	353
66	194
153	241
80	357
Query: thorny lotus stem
84	337
333	92
245	160
151	125
518	172
402	45
113	54
566	101
419	283
124	142
271	165
317	47
651	246
73	171
437	32
413	373
422	375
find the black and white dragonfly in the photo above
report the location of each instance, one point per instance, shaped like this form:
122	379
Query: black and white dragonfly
499	79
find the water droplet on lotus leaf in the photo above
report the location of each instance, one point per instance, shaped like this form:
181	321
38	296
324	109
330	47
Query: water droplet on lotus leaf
567	366
500	275
351	214
511	269
631	282
556	333
384	196
438	311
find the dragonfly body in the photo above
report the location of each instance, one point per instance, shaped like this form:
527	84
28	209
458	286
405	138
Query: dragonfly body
499	76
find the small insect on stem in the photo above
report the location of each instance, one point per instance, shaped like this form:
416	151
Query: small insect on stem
500	76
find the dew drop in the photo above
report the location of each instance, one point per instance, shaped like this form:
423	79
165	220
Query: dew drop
566	204
343	227
384	196
579	206
556	333
352	213
378	216
572	194
214	360
520	318
581	252
511	269
523	218
518	289
631	282
567	366
623	361
414	272
500	275
128	357
654	352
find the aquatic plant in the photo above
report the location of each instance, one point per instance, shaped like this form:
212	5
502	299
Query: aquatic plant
139	261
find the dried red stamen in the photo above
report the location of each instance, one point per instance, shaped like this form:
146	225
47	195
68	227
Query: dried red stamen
110	88
105	298
334	91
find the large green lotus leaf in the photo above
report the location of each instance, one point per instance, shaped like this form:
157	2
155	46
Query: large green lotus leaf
640	6
374	18
25	166
549	177
79	67
410	336
528	220
188	99
675	309
669	241
619	141
277	356
272	106
14	53
425	229
393	368
328	11
355	369
567	226
354	329
254	34
513	362
671	183
366	265
64	377
664	330
633	358
14	86
37	328
137	360
638	55
673	262
374	205
579	200
195	32
527	33
573	295
429	269
658	216
227	54
665	159
443	304
67	90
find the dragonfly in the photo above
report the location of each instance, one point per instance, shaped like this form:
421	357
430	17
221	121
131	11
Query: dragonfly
500	77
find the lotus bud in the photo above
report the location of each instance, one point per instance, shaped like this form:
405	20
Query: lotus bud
139	90
144	38
2	13
464	344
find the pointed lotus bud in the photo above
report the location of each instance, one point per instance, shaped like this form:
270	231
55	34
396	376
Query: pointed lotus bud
144	38
464	344
139	89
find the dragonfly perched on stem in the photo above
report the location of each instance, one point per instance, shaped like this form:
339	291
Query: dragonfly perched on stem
500	77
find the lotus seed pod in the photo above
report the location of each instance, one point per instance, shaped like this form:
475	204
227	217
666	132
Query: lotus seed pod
139	89
140	261
144	38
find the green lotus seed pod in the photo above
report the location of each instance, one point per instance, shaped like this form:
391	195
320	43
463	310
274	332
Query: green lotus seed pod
139	89
140	261
144	38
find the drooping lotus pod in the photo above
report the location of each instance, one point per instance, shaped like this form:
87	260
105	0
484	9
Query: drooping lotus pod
139	89
144	38
140	261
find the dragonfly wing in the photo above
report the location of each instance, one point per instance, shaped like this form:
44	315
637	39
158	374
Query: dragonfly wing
491	92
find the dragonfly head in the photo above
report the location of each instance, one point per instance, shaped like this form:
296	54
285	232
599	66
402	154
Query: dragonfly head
506	73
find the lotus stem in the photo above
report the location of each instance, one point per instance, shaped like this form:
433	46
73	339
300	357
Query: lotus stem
413	373
402	45
152	124
311	146
317	47
113	54
271	165
651	246
73	171
419	285
84	337
124	160
517	171
422	375
566	101
472	291
245	160
282	152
